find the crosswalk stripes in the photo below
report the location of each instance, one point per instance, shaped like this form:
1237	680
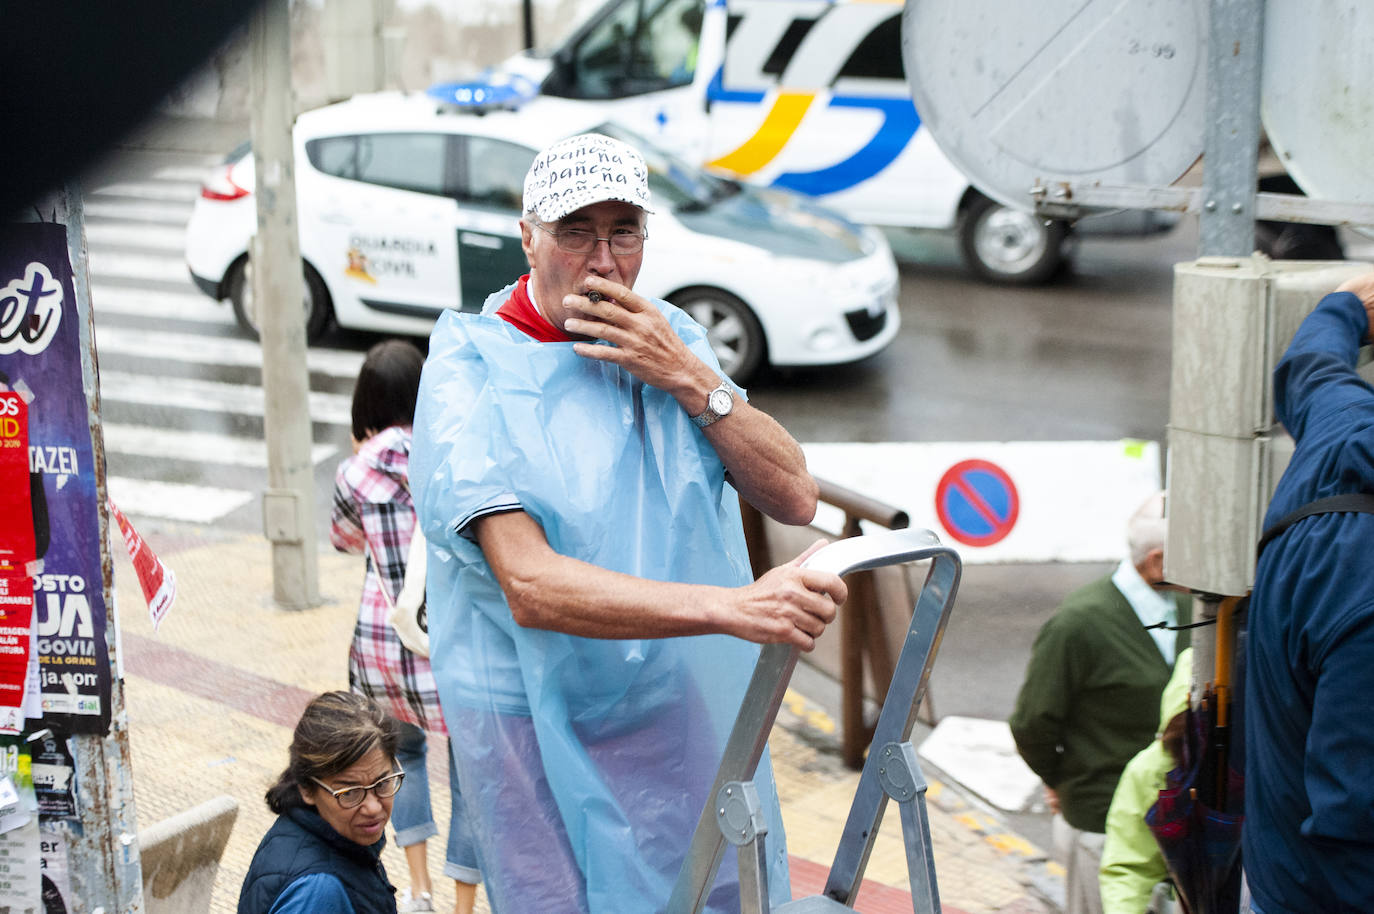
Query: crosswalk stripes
218	396
181	396
170	191
156	212
174	501
214	350
137	266
160	306
167	239
197	447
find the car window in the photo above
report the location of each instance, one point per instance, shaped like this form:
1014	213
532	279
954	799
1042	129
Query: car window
495	173
409	161
641	46
335	155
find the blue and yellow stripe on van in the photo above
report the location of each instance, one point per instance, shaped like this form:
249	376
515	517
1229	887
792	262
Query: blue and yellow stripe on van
900	123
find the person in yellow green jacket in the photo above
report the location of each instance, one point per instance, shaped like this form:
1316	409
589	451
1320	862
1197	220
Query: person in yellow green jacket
1131	862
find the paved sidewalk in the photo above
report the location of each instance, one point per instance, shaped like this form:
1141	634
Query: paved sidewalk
213	696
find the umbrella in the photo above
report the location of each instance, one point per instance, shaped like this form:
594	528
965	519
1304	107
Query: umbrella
1197	818
1200	844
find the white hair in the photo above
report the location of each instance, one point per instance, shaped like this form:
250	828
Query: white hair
1145	529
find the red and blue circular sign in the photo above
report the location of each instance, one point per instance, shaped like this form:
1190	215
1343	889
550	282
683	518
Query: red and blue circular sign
977	502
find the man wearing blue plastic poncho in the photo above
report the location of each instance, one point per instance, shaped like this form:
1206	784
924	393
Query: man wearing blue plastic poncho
576	460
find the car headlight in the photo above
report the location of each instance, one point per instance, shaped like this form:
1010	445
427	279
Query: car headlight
850	285
863	288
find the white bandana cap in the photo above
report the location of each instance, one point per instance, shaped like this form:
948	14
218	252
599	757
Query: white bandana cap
582	170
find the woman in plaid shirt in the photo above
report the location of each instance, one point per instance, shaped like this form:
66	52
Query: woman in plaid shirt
373	514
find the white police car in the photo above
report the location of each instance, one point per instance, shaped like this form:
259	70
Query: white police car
408	205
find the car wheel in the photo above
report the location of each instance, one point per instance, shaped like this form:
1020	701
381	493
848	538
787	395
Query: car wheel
734	333
318	309
1005	245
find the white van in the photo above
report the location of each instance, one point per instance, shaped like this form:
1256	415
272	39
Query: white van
802	94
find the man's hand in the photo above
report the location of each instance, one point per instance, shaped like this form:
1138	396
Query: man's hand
1051	798
788	605
645	344
1363	287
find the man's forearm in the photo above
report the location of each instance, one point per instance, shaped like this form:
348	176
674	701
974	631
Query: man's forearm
549	591
1041	756
546	590
766	465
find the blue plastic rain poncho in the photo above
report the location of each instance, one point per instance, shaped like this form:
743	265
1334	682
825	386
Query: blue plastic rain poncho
585	763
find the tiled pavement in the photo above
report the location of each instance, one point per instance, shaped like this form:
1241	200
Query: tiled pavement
213	695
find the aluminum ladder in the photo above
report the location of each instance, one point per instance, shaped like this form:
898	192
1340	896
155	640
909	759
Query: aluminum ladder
734	815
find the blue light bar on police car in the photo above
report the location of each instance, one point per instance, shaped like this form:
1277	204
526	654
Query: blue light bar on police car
502	90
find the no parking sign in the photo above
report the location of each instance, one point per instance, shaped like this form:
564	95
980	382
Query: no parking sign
977	502
1001	501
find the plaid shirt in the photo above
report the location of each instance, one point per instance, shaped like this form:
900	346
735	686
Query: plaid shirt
373	513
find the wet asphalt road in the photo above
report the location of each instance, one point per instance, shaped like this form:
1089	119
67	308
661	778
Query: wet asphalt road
1085	358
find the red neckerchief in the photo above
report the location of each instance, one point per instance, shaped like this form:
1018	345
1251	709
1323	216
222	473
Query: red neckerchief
519	311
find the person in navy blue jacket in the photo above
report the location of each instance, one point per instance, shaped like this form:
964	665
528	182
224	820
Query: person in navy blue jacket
1308	839
323	854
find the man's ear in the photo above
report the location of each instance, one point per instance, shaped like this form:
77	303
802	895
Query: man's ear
307	796
1152	569
526	239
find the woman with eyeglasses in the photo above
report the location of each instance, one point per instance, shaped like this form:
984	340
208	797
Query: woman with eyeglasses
323	854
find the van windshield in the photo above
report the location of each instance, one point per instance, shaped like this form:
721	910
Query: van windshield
631	48
672	181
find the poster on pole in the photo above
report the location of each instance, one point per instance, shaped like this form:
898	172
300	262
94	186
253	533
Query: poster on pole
17	560
158	582
40	360
56	870
21	885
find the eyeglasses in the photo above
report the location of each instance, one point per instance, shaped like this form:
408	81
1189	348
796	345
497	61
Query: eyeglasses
582	241
349	797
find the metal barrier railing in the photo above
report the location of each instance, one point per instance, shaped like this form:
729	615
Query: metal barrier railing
732	814
864	640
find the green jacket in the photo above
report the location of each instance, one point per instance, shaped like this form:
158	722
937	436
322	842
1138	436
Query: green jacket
1090	700
1131	861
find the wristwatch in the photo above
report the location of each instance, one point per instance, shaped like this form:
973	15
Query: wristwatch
719	402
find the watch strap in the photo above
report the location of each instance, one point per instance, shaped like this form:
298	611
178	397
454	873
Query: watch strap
709	415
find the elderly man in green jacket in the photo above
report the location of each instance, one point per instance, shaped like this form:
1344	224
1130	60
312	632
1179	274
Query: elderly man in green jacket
1090	700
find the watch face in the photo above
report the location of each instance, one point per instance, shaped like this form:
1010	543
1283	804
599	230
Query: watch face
721	402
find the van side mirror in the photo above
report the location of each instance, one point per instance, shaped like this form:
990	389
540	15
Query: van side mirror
562	75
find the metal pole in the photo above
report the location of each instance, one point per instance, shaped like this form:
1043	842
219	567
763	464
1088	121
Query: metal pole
289	502
103	858
527	9
1230	166
1231	145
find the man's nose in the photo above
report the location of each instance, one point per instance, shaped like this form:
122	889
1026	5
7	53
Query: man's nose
601	259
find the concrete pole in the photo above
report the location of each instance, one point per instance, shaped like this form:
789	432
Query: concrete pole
288	505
